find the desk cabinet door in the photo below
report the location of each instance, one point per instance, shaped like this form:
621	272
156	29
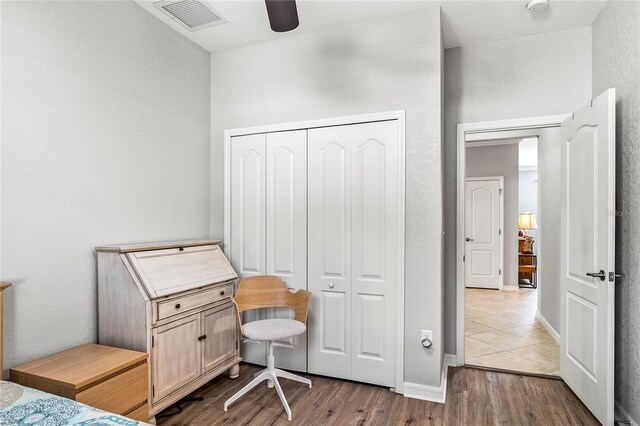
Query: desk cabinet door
219	324
175	355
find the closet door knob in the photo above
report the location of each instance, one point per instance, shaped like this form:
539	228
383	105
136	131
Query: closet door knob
331	285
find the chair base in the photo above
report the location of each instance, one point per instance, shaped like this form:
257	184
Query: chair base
272	376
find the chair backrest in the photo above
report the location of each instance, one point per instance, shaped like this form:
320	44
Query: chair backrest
267	291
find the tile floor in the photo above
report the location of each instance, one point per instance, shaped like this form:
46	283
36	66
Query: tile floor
502	331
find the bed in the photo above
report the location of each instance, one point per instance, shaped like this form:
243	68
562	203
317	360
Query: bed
20	405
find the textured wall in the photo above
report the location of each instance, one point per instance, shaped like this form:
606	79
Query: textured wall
372	66
528	76
501	160
105	139
616	63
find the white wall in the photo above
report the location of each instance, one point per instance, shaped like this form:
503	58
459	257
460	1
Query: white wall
616	63
528	198
548	244
105	139
373	66
501	160
528	76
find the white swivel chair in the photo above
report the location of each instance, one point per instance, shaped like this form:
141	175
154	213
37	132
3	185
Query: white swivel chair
267	292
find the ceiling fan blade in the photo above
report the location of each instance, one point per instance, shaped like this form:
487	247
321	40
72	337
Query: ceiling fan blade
283	15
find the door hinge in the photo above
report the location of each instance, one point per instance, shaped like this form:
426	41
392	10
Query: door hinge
153	342
499	271
500	191
463	258
236	345
153	391
499	231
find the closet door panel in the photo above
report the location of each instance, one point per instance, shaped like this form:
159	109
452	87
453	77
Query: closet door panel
248	210
375	221
329	248
286	219
248	204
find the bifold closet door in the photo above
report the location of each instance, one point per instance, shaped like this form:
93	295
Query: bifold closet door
269	226
329	251
374	251
353	224
286	220
248	227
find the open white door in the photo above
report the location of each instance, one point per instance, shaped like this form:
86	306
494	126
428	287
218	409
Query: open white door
483	233
588	255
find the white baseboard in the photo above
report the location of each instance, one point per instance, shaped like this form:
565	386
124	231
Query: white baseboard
546	325
621	414
431	393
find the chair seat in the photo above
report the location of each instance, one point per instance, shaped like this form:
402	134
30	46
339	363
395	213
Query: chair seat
273	329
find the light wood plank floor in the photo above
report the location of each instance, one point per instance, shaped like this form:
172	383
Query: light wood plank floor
502	331
474	397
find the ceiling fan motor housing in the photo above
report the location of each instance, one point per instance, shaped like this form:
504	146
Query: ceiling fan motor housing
283	15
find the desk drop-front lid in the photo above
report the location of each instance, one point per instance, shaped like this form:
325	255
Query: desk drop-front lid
168	268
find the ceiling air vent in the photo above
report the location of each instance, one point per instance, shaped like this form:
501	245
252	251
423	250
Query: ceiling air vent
191	14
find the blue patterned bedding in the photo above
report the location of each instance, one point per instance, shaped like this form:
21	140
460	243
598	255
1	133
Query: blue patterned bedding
20	405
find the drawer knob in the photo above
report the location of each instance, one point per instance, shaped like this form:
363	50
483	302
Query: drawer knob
222	293
201	338
181	249
177	306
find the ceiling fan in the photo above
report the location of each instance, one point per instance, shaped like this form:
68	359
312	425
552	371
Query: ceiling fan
283	15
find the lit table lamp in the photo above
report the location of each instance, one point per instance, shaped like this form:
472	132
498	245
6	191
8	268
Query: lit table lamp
527	221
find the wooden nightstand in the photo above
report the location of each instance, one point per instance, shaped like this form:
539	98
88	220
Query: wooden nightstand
111	379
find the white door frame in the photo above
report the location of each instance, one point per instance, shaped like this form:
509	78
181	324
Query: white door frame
478	131
500	179
338	121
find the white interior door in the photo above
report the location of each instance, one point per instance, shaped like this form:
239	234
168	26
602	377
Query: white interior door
248	210
286	206
588	247
329	251
353	251
483	233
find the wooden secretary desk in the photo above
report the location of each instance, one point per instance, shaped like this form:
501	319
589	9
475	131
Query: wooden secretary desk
170	300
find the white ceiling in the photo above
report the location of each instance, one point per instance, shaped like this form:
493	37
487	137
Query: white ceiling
464	22
469	22
248	21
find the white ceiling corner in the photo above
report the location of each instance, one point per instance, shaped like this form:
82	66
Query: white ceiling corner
471	22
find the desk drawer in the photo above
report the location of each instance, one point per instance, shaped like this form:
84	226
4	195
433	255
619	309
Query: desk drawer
119	394
178	305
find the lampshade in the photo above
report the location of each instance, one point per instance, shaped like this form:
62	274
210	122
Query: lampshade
527	221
